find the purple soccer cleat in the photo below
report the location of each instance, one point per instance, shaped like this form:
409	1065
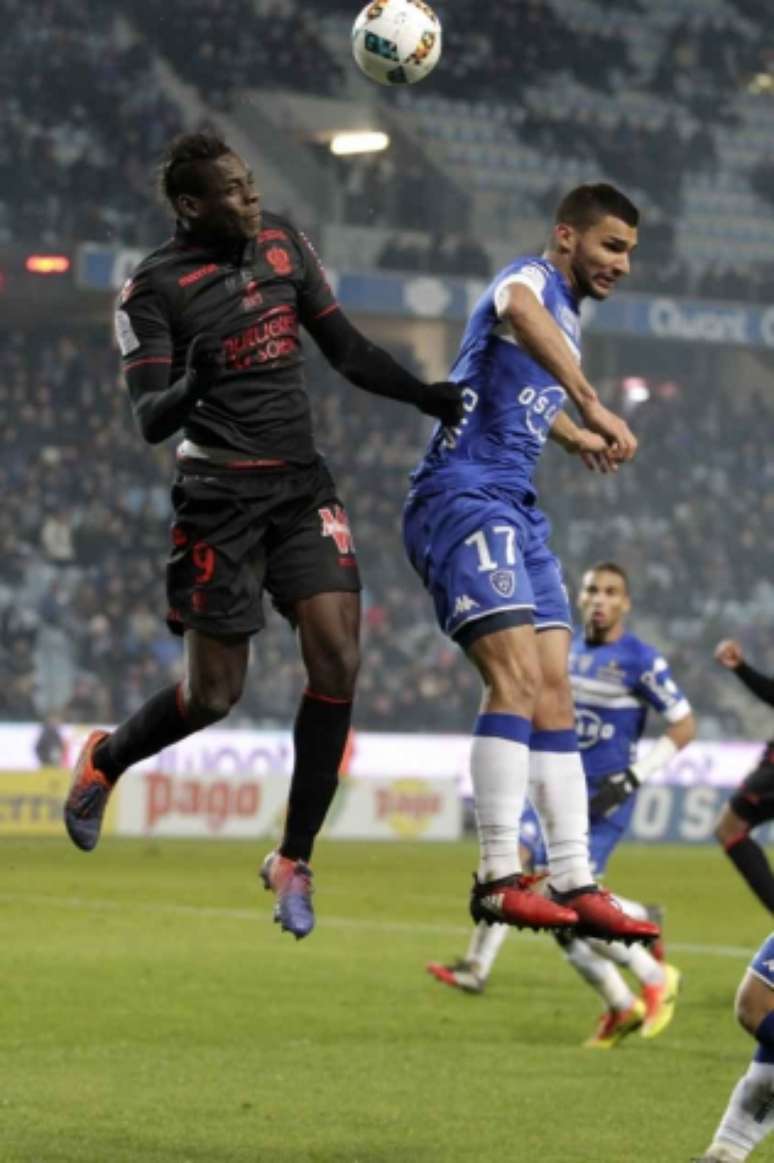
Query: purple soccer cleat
291	882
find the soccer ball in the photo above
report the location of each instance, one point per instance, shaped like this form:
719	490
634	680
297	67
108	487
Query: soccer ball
397	42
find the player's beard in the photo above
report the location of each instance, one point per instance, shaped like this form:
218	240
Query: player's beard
585	287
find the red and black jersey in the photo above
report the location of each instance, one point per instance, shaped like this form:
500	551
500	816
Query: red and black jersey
254	295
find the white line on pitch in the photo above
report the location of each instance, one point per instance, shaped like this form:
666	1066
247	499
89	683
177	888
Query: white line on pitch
256	914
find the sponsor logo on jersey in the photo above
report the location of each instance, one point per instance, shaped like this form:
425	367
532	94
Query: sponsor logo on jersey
272	234
464	604
195	276
279	260
613	673
503	582
335	524
591	728
273	336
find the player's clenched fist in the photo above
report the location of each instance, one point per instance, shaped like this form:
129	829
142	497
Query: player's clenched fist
617	433
729	653
204	360
444	401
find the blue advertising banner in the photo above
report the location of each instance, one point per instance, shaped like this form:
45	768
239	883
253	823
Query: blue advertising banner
668	814
106	268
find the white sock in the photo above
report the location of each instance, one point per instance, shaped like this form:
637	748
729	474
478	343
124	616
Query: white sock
557	788
600	974
633	957
499	766
749	1116
485	944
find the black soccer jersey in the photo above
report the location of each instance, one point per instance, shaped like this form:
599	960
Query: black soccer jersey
254	295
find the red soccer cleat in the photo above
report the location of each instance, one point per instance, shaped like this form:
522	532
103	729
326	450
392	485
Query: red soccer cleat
614	1025
510	901
600	915
460	975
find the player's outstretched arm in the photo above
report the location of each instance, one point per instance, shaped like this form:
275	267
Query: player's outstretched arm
729	654
161	408
370	367
540	335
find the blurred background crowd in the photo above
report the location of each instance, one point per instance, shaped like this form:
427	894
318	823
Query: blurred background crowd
669	99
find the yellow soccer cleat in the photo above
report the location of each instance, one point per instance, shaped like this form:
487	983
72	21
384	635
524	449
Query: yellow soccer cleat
614	1025
660	1001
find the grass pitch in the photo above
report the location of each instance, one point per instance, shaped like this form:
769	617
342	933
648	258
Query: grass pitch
151	1013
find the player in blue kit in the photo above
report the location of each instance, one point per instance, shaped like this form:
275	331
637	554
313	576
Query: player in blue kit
616	678
749	1116
475	536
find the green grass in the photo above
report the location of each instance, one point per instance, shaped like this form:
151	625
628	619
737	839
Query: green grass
151	1013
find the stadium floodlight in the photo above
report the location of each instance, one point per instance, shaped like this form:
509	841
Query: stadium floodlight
365	141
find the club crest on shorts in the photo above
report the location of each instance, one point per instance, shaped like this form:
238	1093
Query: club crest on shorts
335	524
503	582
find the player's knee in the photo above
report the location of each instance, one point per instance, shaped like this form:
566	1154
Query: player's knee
555	709
751	1006
209	701
728	827
334	672
515	681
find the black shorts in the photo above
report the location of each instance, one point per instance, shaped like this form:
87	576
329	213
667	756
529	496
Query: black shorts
753	800
236	533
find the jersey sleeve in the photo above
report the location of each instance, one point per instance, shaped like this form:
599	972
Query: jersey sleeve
142	327
316	298
656	686
531	275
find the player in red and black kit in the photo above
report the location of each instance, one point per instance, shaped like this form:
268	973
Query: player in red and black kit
208	328
753	801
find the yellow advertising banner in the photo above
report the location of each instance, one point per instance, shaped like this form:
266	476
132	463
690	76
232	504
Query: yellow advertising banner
31	802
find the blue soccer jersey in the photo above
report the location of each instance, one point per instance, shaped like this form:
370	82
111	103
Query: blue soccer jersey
614	686
510	399
471	527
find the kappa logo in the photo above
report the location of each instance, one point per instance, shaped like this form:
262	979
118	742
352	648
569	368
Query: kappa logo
279	259
197	275
503	582
335	524
464	604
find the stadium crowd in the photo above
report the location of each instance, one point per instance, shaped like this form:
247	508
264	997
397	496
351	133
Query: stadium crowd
84	531
62	179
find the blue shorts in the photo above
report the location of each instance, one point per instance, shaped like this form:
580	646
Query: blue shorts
762	964
603	837
480	553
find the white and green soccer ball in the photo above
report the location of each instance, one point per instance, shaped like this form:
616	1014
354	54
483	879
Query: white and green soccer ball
397	42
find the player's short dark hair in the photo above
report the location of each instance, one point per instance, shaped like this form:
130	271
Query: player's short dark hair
183	168
610	567
585	205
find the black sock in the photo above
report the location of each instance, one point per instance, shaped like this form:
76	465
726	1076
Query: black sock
320	736
159	722
748	856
